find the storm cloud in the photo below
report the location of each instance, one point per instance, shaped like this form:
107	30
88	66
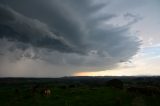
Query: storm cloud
65	36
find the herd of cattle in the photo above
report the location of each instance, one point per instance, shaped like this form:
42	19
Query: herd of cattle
115	83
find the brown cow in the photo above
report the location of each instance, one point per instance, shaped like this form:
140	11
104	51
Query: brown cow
46	92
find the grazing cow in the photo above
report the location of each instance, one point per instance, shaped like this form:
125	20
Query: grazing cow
46	92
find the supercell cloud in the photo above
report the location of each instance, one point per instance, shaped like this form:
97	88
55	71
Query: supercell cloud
45	38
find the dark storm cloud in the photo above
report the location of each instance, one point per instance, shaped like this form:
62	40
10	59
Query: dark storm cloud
17	27
132	17
65	33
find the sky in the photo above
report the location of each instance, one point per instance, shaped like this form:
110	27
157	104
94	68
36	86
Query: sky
56	38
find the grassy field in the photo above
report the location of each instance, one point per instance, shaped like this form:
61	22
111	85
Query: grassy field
77	96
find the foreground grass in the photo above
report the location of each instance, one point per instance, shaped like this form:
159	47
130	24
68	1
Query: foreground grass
79	96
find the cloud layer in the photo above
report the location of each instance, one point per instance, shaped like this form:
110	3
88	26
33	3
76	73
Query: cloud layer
71	35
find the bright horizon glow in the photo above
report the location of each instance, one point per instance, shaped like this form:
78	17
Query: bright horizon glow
145	63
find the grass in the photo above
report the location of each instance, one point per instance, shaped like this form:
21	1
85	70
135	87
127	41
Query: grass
79	96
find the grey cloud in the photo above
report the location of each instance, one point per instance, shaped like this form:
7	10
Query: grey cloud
132	17
71	34
15	26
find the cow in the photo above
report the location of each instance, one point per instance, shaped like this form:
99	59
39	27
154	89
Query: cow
46	92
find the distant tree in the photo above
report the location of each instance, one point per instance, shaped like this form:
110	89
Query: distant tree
116	83
72	86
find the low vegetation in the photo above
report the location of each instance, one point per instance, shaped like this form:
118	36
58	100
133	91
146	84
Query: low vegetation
51	93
